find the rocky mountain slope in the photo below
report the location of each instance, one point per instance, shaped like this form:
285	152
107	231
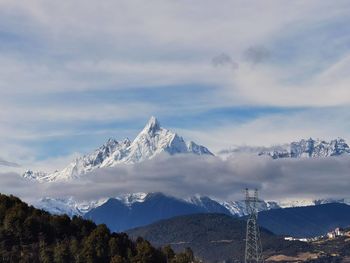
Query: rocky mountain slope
150	142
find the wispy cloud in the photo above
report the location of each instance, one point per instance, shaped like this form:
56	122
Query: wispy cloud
7	163
223	60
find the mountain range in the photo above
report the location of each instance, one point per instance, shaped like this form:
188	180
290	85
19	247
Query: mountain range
119	216
149	143
139	209
132	210
307	221
305	148
154	140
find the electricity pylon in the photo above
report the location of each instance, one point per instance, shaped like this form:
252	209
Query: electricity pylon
253	248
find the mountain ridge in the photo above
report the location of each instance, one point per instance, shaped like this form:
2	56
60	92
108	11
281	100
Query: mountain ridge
119	216
304	148
150	142
212	237
200	203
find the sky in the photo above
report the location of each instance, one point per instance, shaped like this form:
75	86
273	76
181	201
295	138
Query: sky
227	73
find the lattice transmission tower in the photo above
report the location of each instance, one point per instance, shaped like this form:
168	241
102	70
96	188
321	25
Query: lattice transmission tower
253	248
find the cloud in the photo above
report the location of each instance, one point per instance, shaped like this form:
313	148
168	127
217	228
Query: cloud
6	163
224	60
257	54
277	179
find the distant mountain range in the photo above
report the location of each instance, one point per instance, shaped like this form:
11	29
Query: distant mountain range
139	209
308	221
151	141
119	215
310	148
154	140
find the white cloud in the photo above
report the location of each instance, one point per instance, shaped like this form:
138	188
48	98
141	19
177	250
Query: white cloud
277	179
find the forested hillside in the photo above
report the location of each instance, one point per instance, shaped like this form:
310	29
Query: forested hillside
31	235
213	237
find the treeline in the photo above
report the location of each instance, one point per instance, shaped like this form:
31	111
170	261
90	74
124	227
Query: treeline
31	235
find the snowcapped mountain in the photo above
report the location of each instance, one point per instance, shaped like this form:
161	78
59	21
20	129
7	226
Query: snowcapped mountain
309	202
129	199
119	216
68	206
310	148
238	208
197	203
208	205
151	141
72	207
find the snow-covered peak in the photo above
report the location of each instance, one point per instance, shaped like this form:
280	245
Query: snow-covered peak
313	148
305	148
129	199
152	126
198	149
29	174
150	142
68	205
239	207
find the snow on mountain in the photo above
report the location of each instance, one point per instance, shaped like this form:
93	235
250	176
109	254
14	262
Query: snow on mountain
129	199
310	148
207	204
150	142
72	207
68	206
198	149
310	202
238	208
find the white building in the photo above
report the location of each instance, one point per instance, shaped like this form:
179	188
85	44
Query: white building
335	233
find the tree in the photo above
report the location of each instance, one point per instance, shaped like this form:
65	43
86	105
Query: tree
61	253
29	235
117	259
184	257
96	245
146	253
168	252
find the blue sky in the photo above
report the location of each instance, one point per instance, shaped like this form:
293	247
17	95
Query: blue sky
74	74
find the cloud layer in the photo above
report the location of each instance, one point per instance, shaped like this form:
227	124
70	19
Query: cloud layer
282	179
